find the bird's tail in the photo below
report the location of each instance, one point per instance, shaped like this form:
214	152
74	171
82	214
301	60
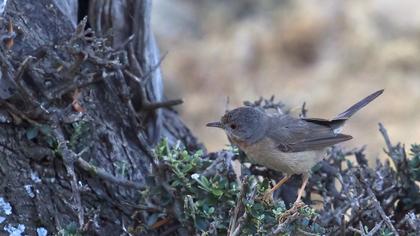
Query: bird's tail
353	109
337	123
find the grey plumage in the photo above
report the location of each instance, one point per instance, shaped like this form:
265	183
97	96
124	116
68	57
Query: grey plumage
285	143
253	131
353	109
297	135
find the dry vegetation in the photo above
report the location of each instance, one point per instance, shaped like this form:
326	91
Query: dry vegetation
350	198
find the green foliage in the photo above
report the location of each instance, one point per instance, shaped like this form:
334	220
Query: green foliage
41	133
32	132
262	217
209	200
79	135
201	195
70	230
385	231
411	197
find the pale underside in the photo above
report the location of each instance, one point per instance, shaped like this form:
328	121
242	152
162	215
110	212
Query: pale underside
267	154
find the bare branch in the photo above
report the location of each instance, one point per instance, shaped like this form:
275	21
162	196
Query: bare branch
145	101
386	137
69	157
102	174
234	224
157	105
375	229
376	203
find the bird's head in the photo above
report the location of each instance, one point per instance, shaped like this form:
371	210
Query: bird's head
245	124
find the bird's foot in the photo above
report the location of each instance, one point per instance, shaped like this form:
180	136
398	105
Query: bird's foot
298	204
294	210
267	198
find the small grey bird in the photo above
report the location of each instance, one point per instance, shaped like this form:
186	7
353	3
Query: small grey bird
285	143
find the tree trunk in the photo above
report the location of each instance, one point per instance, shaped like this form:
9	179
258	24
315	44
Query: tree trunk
80	114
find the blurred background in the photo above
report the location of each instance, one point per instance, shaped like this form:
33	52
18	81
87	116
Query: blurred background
327	53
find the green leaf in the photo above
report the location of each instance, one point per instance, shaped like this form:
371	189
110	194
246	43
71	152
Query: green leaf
32	133
217	192
210	210
187	168
45	129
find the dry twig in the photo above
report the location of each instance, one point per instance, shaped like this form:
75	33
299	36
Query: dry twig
236	221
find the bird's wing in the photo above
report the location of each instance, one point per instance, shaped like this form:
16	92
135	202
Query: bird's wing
296	135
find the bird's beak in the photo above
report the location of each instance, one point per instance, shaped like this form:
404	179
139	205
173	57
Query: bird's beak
216	124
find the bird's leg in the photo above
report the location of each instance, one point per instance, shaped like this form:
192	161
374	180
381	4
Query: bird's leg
305	177
298	203
267	195
280	183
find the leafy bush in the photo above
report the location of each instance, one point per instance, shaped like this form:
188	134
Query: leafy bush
202	194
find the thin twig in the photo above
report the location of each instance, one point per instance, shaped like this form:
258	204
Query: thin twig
19	113
362	229
238	228
60	90
145	101
376	203
146	104
156	105
234	227
306	232
132	76
375	229
161	223
282	226
20	84
351	228
386	137
124	43
142	80
69	157
102	174
155	67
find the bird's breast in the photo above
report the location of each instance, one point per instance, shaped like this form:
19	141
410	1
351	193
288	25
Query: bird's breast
266	153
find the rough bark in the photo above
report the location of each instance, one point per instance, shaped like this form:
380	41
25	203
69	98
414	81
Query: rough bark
80	115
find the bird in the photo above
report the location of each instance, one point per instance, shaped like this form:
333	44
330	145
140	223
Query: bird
284	143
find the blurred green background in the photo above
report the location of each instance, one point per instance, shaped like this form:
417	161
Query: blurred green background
327	53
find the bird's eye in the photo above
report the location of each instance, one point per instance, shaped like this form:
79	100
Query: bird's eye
233	126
